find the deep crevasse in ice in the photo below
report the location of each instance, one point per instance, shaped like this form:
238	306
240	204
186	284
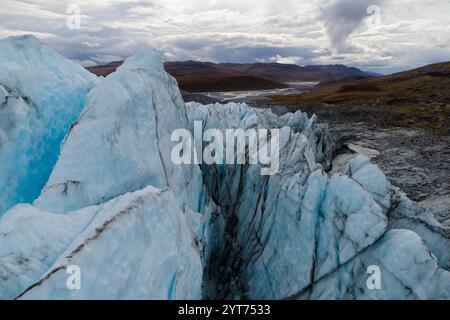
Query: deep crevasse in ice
141	227
293	230
41	94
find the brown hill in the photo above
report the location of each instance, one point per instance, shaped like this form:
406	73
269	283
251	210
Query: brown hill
271	71
201	77
419	97
195	76
104	70
218	83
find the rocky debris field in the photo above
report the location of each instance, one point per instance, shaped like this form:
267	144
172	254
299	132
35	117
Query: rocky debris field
414	160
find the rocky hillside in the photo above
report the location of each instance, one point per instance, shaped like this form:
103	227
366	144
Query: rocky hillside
418	98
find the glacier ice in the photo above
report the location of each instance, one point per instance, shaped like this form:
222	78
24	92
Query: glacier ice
159	261
41	94
292	230
408	271
32	240
140	227
320	224
127	123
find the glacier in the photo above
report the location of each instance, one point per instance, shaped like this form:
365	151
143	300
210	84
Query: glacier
101	192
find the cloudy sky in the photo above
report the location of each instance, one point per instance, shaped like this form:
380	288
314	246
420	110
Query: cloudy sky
376	35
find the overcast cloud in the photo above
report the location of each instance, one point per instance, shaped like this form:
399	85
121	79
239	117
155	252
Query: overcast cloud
376	35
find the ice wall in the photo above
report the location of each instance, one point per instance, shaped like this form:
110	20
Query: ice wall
121	142
41	95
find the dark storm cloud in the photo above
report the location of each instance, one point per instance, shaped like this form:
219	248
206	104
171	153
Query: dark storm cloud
285	31
238	48
343	17
248	54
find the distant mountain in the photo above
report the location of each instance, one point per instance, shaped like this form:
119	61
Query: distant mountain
195	76
373	74
270	71
224	83
104	70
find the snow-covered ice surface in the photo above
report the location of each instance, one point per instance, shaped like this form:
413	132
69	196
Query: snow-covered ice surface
141	227
41	95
